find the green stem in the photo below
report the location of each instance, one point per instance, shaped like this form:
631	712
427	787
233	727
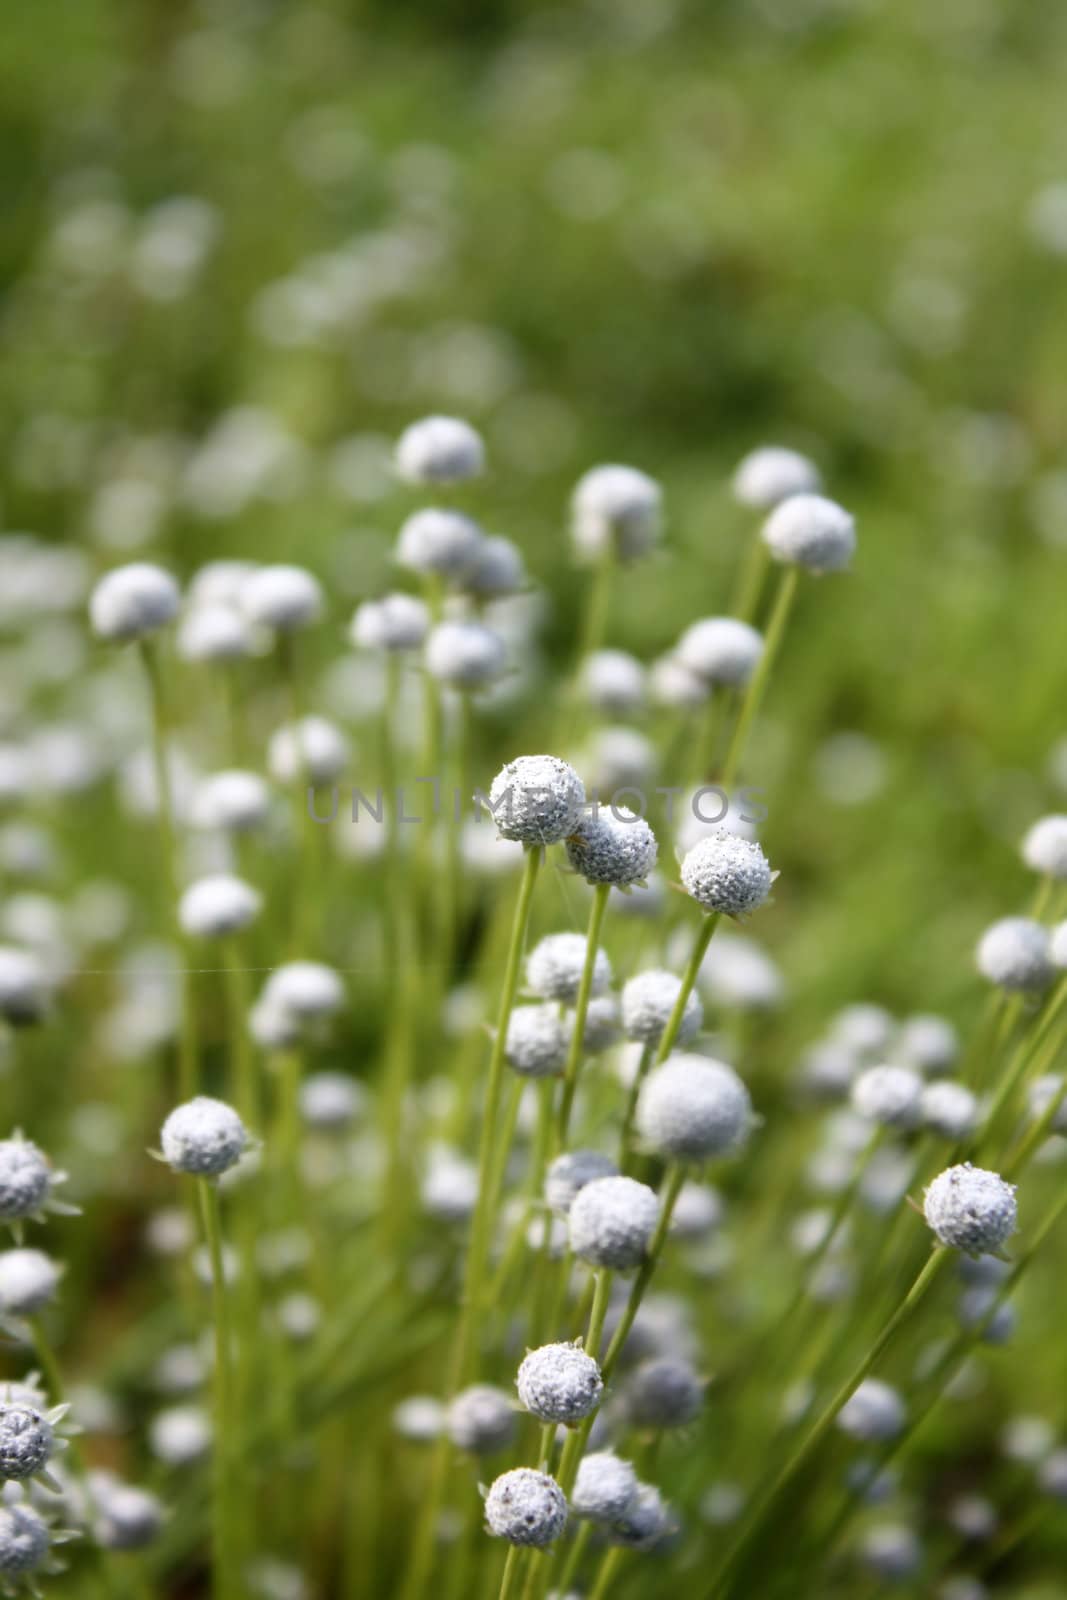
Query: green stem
574	1558
750	580
227	1556
670	1189
576	1050
244	1079
509	1581
605	1577
631	1105
689	977
783	603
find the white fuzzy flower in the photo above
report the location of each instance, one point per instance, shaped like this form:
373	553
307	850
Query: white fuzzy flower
439	450
25	1542
1014	954
284	598
28	1282
215	633
331	1100
613	846
306	990
180	1435
217	906
570	1172
665	1392
771	474
537	1041
810	531
127	1518
616	508
233	802
971	1209
1045	847
204	1137
439	543
692	1108
613	682
396	622
648	1000
890	1096
133	601
646	1522
611	1222
313	750
928	1043
874	1411
481	1419
536	800
726	874
721	651
24	989
554	967
467	655
497	570
559	1383
949	1109
526	1508
604	1488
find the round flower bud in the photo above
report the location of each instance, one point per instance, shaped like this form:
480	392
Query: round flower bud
24	1540
526	1508
537	1041
970	1209
330	1100
133	601
205	1137
180	1435
536	800
864	1028
727	874
611	1222
1042	1092
284	598
890	1096
721	650
559	1383
214	907
439	450
312	750
664	1393
306	989
929	1044
616	509
604	1488
570	1172
233	801
810	531
648	1000
449	1187
673	684
697	1211
439	543
421	1418
1014	954
1045	847
497	570
28	1282
25	1179
396	622
646	1522
26	1441
127	1518
949	1109
738	974
612	846
601	1029
613	681
481	1419
771	474
467	655
692	1108
554	967
215	633
874	1411
23	987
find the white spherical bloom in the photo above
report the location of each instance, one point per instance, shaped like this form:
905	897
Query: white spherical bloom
331	1100
697	1211
481	1419
874	1411
892	1550
219	583
439	450
313	749
133	601
648	999
396	622
536	800
611	1222
204	1136
26	1179
272	1028
306	990
665	1392
27	1441
612	845
537	1041
449	1187
497	570
810	531
16	774
601	1029
421	1418
928	1043
284	598
949	1109
1058	945
526	1508
559	1383
619	758
971	1209
467	655
1014	954
726	874
1045	847
617	509
180	1435
127	1518
25	1542
232	802
613	682
864	1028
217	906
738	974
604	1488
671	683
439	543
570	1172
890	1096
215	633
554	967
772	473
646	1522
692	1108
721	651
24	989
1041	1095
28	1282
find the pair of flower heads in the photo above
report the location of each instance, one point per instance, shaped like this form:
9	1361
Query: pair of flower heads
540	800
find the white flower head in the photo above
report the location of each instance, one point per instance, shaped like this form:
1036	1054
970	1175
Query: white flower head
807	530
218	906
1014	954
771	474
559	1383
132	602
439	450
284	598
720	651
536	800
970	1209
204	1137
611	1222
693	1109
526	1508
618	509
727	874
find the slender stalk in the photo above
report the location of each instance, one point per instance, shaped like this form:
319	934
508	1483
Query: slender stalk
758	1515
783	604
581	1010
574	1557
227	1555
509	1581
244	1079
669	1035
673	1180
640	1075
598	1313
306	873
750	580
609	1566
1026	1052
